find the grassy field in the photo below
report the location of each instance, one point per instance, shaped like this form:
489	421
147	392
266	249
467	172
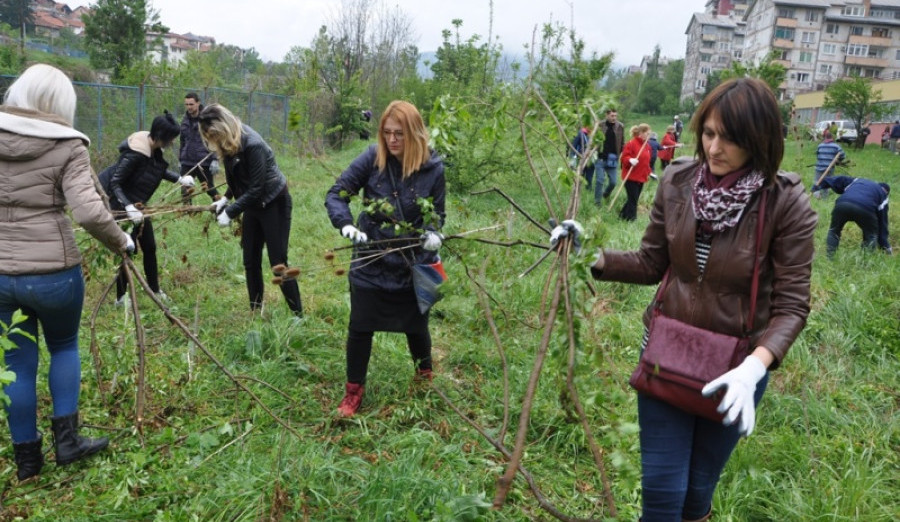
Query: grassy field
826	446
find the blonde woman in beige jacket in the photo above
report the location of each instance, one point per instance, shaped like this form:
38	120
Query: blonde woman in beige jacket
44	167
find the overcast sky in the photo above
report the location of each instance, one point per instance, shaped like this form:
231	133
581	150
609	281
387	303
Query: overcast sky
630	28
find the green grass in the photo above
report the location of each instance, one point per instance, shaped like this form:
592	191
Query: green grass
826	447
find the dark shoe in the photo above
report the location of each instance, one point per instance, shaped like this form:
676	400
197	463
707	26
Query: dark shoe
69	445
29	458
352	400
423	375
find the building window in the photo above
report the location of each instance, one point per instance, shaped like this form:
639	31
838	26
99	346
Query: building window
853	10
705	70
802	77
881	32
832	28
856	30
784	12
705	57
701	83
854	71
825	68
829	49
737	54
725	46
709	45
897	56
812	16
806	57
807	37
857	50
785	33
785	55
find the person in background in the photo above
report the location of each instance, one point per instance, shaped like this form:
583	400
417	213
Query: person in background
702	233
46	168
258	190
580	146
132	181
825	155
400	171
886	137
864	202
679	127
863	135
895	135
655	148
613	141
635	169
192	153
667	147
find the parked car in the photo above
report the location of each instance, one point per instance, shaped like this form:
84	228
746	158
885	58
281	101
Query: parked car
846	130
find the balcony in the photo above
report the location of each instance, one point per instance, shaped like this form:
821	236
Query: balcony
784	63
785	22
783	43
871	41
866	61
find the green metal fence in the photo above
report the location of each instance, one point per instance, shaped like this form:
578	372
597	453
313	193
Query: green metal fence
109	113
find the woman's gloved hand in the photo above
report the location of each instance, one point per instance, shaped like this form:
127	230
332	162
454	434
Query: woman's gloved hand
432	240
738	400
567	228
135	215
219	205
186	181
223	219
633	161
129	243
357	236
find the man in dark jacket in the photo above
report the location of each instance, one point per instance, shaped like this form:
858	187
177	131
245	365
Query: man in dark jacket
864	202
613	141
192	154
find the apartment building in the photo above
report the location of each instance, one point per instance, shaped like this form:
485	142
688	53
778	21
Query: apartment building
818	41
713	42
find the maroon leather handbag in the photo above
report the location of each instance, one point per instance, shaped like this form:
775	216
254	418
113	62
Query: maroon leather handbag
680	359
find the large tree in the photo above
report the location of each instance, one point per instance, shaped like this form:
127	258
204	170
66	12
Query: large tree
18	14
115	33
856	100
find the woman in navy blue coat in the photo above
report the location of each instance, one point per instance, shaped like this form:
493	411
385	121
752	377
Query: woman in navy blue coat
403	189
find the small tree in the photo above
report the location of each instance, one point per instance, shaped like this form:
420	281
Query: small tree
767	70
115	33
18	14
857	101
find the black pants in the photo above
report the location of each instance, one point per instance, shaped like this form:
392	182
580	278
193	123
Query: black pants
844	213
146	242
201	175
359	350
269	227
633	191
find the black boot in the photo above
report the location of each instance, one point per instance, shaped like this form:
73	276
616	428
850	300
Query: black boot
69	445
29	458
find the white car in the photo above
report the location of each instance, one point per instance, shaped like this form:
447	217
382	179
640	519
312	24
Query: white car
846	130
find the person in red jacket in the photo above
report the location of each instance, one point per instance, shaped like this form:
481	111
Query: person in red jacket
635	169
669	143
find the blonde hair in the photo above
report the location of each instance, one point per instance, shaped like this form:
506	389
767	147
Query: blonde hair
415	145
670	128
44	88
637	130
220	130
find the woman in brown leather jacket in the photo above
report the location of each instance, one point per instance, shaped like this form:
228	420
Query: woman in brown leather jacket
703	232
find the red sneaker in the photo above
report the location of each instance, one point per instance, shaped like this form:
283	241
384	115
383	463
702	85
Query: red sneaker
423	375
352	400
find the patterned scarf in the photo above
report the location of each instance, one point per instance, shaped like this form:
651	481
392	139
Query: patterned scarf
718	201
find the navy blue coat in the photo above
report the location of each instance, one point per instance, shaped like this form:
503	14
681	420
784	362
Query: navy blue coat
391	272
866	194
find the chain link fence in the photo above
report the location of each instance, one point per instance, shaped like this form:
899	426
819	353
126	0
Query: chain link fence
109	113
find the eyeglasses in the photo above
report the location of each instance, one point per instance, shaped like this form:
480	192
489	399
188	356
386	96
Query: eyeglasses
398	134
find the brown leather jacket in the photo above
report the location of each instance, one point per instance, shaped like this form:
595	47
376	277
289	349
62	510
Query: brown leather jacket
719	298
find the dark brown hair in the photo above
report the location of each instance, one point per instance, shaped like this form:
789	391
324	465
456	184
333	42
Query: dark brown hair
750	119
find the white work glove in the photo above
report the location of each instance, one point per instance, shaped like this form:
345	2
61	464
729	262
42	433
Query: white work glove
214	167
567	228
129	243
223	219
219	205
135	215
186	181
738	400
633	161
432	240
354	234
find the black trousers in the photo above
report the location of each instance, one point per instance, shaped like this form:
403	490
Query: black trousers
268	227
359	350
633	191
145	241
201	175
844	213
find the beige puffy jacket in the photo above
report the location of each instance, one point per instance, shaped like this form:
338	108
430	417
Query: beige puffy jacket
44	166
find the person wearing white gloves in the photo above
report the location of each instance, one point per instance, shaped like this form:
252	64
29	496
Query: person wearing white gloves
702	232
46	168
132	181
635	169
193	156
396	175
257	191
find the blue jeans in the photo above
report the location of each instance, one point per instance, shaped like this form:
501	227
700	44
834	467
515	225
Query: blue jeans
55	301
612	173
682	456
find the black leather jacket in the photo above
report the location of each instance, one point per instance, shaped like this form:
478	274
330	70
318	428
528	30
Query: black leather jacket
254	179
136	175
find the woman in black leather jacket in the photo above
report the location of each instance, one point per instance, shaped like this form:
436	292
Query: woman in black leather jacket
133	180
258	190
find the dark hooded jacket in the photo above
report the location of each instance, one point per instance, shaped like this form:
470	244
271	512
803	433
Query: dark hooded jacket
137	174
191	150
391	272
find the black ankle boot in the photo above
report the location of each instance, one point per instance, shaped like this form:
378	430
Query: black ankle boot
29	458
69	445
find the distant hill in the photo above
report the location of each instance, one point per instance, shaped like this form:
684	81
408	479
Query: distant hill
426	59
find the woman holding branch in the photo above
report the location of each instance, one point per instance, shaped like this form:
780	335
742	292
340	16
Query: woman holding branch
45	167
403	189
723	228
635	169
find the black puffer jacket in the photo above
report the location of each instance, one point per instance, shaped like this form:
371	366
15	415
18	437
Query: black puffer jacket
391	272
254	179
137	173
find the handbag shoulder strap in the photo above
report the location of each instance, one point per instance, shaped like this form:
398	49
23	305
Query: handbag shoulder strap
754	285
